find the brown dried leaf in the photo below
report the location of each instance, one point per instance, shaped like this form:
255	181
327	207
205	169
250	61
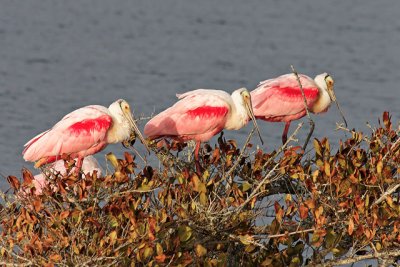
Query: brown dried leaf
55	257
14	182
350	228
303	211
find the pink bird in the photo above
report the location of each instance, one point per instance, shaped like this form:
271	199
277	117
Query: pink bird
201	114
83	132
280	99
89	165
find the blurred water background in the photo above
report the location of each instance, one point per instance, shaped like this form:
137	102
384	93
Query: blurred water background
59	56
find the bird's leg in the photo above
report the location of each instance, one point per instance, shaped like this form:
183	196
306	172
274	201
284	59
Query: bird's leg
312	126
285	132
196	158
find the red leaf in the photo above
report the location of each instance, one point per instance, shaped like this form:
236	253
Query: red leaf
303	211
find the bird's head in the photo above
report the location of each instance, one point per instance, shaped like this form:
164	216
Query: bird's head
325	82
246	100
122	112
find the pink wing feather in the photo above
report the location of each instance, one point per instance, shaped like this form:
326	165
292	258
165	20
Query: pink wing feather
198	115
280	99
80	132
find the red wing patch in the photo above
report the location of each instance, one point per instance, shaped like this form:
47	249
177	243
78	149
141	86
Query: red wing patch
309	93
208	111
87	126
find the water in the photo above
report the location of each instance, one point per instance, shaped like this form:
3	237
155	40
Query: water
58	56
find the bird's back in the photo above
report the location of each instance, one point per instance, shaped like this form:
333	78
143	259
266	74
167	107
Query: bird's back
197	115
281	99
78	130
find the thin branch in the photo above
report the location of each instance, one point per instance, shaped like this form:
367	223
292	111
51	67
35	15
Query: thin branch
312	124
27	261
248	241
131	191
292	233
239	158
255	191
291	138
392	148
385	195
266	180
339	126
385	255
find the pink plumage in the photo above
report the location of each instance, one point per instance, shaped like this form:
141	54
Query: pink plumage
83	132
80	133
196	117
89	165
281	100
201	114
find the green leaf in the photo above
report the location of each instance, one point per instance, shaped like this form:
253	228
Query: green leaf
203	199
114	222
246	239
159	249
113	160
379	167
184	233
113	237
327	169
148	252
200	250
317	147
246	186
198	186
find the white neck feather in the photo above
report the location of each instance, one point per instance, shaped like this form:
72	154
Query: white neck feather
120	129
324	101
238	116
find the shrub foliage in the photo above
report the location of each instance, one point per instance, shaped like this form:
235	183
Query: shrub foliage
248	208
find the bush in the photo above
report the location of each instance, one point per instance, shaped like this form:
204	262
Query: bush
248	208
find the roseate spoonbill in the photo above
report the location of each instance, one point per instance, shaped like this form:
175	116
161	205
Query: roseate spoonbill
83	132
89	165
201	114
280	99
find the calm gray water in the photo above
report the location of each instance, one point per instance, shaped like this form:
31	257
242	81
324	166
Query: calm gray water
58	56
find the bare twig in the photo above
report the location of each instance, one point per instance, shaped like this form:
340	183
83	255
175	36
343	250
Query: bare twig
137	153
117	194
248	241
239	158
291	138
385	255
392	148
339	126
27	261
266	180
385	195
312	124
255	191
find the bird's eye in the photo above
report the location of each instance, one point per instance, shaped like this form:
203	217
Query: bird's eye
329	80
